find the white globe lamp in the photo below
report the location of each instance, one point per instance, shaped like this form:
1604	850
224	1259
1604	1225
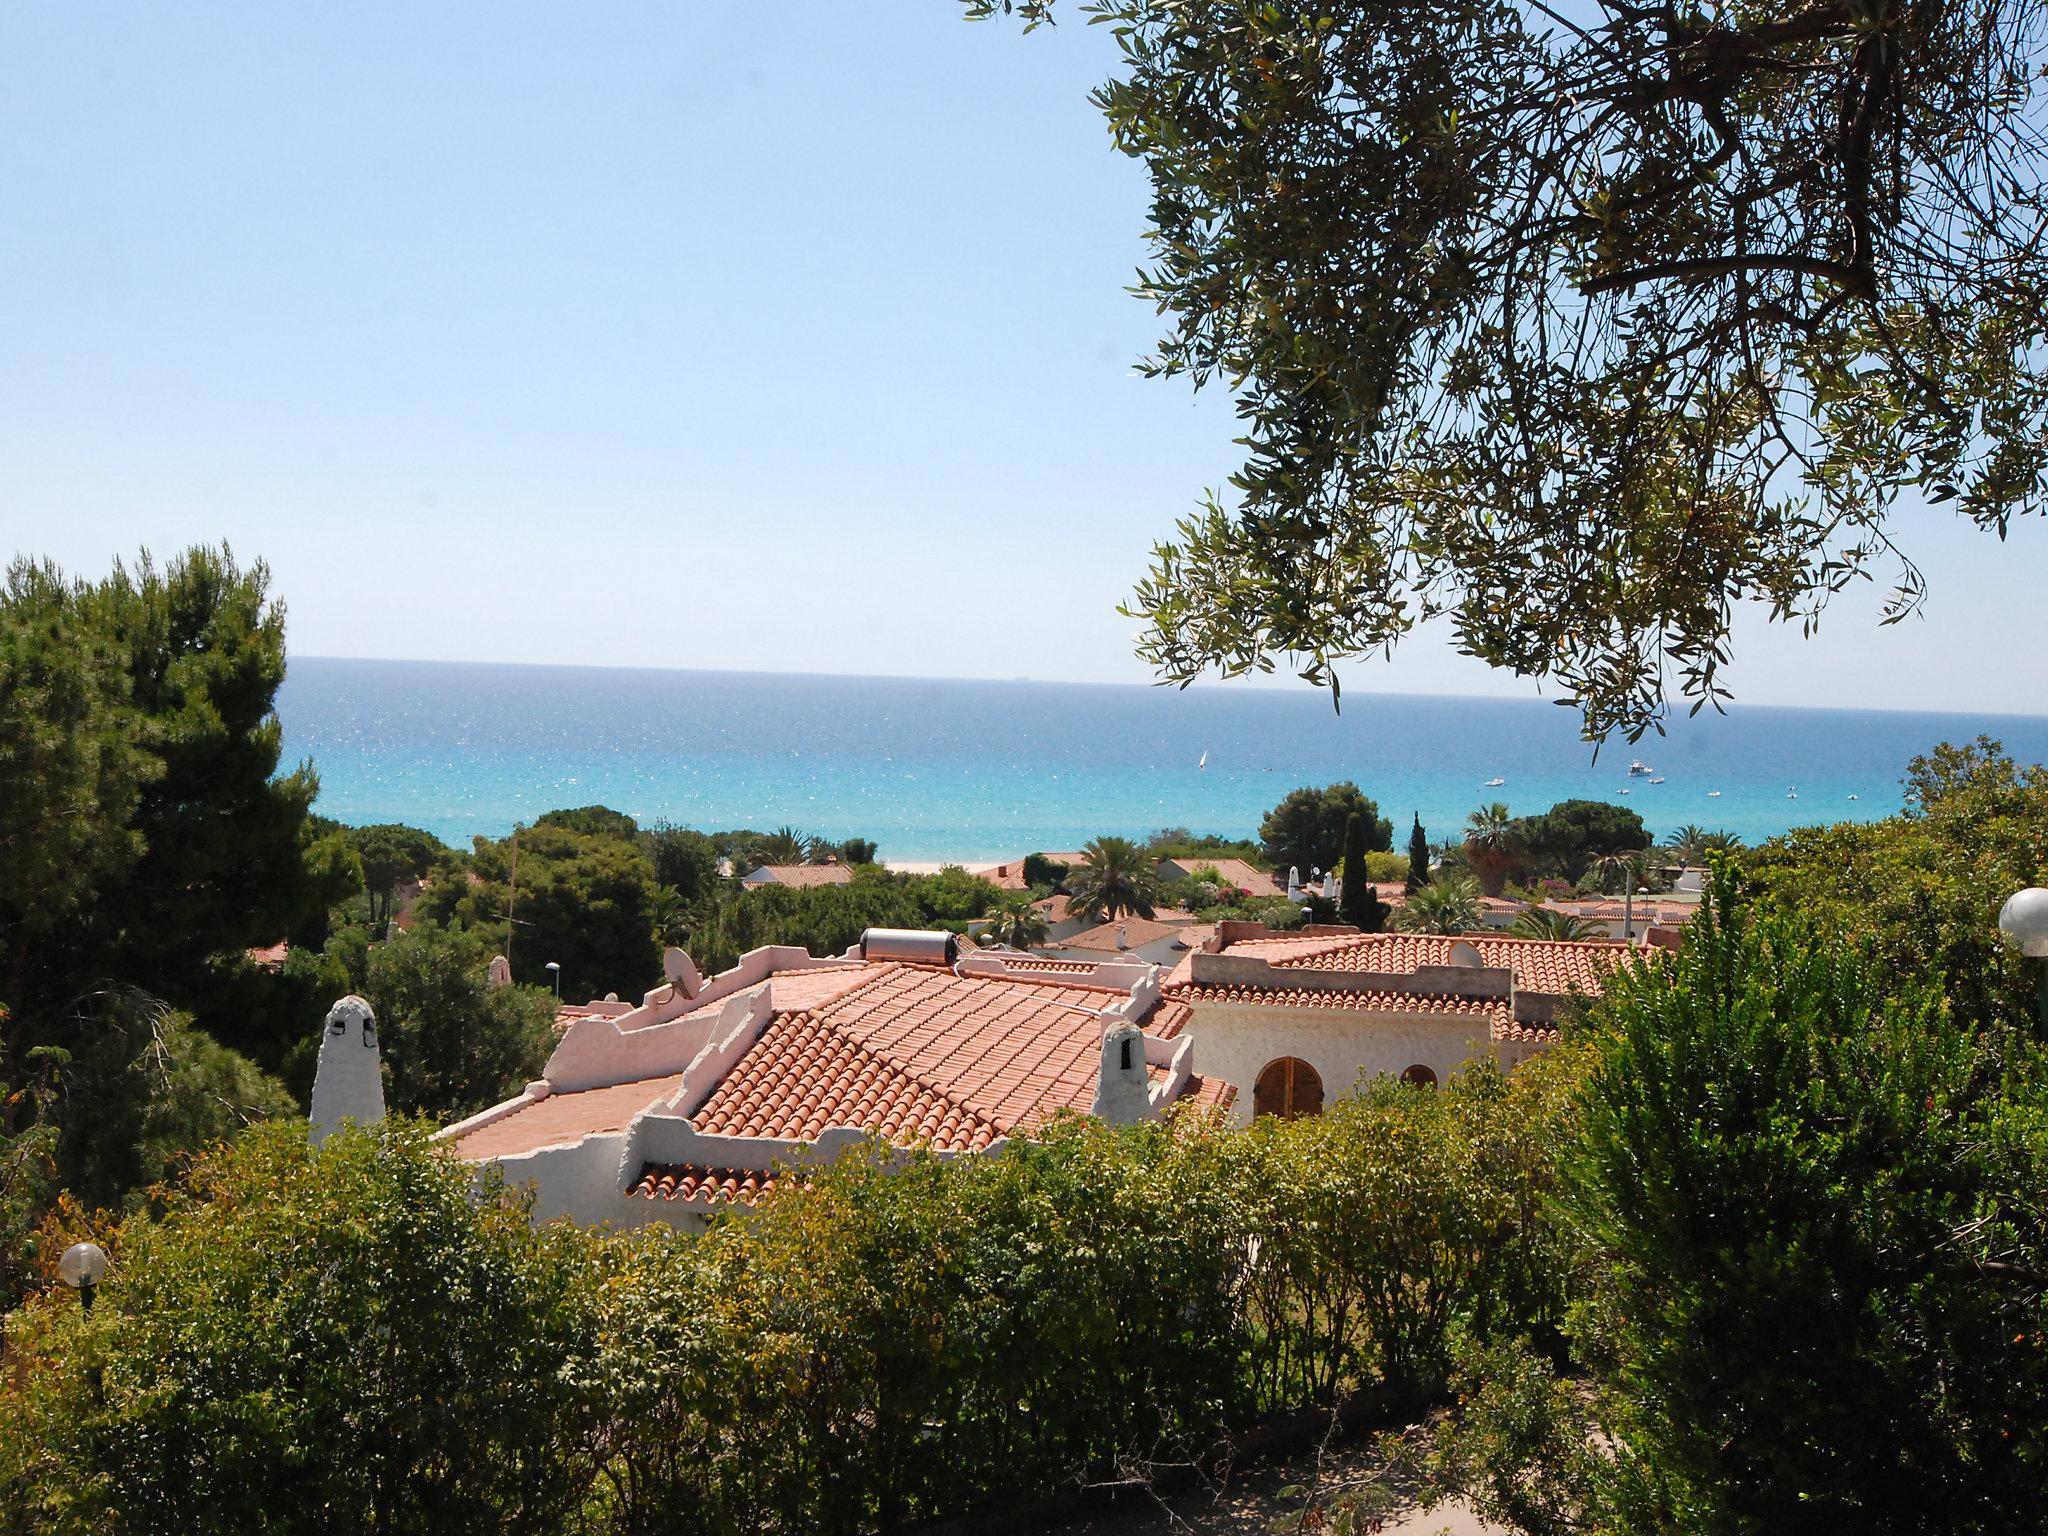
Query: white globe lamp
81	1267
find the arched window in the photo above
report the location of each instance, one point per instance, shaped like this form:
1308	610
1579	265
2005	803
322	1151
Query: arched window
1419	1076
1287	1088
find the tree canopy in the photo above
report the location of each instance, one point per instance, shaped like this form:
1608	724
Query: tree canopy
1305	831
1581	327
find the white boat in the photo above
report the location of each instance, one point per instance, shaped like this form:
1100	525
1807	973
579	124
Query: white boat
1855	797
1624	789
1713	794
1658	780
1204	762
1493	784
1638	769
1791	794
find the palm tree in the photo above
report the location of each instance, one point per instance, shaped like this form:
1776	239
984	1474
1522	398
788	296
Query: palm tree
1449	905
1548	923
671	915
1615	862
785	845
1017	923
1687	843
1491	843
1720	842
1116	880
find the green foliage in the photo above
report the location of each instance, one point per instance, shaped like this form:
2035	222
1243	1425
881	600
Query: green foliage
1117	880
1492	841
146	841
858	850
1810	1242
1548	923
1580	328
1360	904
593	821
1015	921
142	1089
585	900
452	1043
1849	1266
348	1338
685	861
1418	856
1305	831
1921	892
1566	839
1041	871
28	1174
391	855
1180	843
1450	906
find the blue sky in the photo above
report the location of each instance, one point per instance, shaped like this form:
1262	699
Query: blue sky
787	337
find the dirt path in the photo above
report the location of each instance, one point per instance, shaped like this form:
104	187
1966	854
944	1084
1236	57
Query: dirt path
1300	1492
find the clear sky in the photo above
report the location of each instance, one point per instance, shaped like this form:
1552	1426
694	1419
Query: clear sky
788	337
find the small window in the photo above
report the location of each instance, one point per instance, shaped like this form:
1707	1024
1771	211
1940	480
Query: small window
1287	1088
1419	1076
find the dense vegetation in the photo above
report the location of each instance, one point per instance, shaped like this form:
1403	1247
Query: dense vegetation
1581	326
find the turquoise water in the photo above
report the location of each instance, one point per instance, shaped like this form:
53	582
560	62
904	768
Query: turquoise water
986	770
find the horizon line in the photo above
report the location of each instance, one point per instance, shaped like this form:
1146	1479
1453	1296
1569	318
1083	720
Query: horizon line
1219	685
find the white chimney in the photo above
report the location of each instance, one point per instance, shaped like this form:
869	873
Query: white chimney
347	1081
1123	936
1122	1092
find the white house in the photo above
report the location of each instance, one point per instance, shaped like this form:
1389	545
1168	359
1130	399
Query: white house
702	1097
1290	1020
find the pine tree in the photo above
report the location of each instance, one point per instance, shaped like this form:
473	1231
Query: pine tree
1418	856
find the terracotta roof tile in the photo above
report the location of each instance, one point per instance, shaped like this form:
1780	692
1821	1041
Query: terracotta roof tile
712	1186
1137	931
799	876
1540	965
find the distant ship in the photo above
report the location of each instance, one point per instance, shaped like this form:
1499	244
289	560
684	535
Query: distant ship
1658	780
1713	794
1493	784
1638	769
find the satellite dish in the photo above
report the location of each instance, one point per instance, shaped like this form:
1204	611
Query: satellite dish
681	971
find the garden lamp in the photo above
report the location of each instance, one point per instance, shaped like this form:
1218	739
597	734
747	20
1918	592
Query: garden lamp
2024	922
81	1268
556	967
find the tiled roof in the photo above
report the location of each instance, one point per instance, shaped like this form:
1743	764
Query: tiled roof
798	876
1236	872
1540	965
918	1054
270	957
1137	931
1005	877
1498	1012
561	1118
692	1181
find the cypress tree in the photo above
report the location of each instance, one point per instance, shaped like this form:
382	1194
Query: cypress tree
1418	855
1359	904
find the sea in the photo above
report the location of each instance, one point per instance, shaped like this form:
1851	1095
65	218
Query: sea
939	769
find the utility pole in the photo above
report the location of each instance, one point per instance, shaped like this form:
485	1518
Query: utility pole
512	896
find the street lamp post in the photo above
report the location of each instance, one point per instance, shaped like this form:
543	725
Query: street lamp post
2024	922
556	967
81	1268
